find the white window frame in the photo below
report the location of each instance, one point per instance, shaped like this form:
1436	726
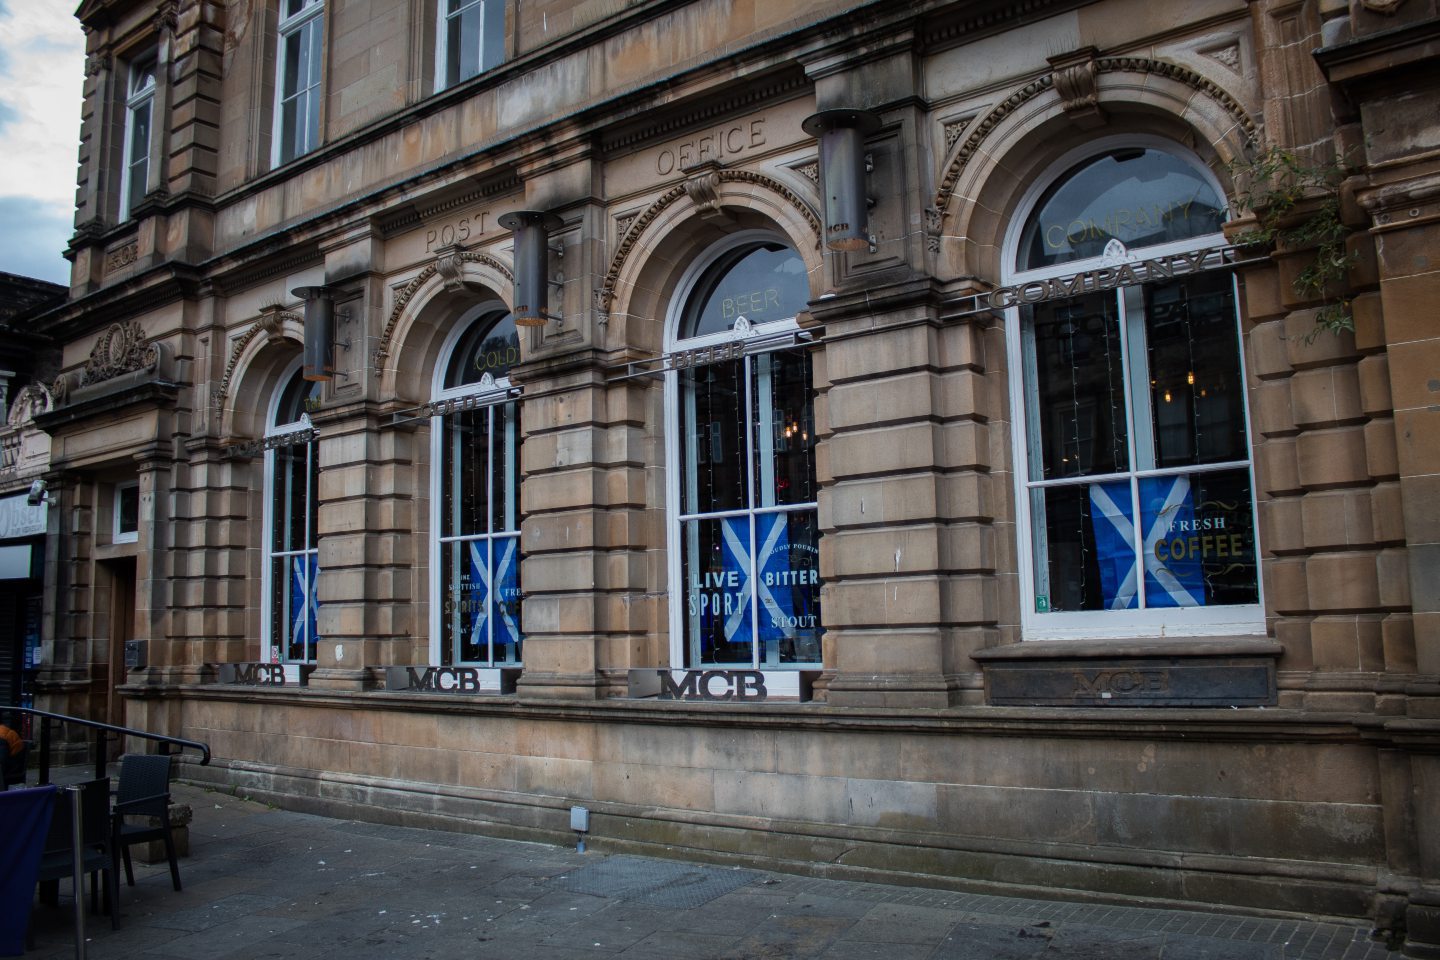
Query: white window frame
310	15
137	100
487	395
272	649
780	679
1154	622
489	14
118	535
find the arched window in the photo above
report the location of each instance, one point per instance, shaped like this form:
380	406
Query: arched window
476	436
291	507
743	529
1137	512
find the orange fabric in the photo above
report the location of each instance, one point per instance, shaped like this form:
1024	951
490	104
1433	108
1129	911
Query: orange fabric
12	739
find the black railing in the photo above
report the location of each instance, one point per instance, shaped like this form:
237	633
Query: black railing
103	732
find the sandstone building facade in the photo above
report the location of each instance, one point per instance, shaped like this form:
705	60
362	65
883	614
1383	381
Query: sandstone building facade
868	436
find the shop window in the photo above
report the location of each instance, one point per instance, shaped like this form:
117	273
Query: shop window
471	39
126	511
299	60
139	119
743	524
1136	493
476	433
292	565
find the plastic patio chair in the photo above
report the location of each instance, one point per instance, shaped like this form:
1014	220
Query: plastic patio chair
143	791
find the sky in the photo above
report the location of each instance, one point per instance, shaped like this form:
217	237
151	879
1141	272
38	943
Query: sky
42	66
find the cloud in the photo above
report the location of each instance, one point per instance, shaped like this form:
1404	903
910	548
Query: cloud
32	235
42	67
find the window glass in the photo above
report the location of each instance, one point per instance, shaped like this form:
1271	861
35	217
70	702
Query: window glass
127	513
764	284
1140	197
478	434
293	503
139	108
1138	477
472	39
748	590
301	54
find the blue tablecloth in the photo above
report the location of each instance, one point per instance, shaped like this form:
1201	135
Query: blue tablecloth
24	824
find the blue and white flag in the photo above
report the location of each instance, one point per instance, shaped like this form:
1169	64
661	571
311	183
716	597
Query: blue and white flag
1114	532
505	592
304	607
1173	573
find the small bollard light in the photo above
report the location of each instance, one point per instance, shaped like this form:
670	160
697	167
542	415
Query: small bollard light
580	823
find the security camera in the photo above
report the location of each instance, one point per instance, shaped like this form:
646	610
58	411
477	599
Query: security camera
37	494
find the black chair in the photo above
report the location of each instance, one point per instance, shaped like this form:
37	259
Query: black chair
96	852
143	791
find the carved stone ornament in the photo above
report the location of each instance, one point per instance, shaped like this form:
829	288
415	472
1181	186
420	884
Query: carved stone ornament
1386	7
95	63
810	170
1074	78
123	348
703	188
272	321
953	130
33	398
404	294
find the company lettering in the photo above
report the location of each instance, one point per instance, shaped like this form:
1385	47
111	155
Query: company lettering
714	685
1106	684
454	231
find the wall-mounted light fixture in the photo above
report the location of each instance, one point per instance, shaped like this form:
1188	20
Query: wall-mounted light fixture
532	264
842	136
320	333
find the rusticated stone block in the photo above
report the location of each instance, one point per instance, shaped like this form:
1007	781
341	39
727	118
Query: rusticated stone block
1337	519
1277	469
909	396
1374	376
1273	409
1392	568
1319	349
1397	634
1380	455
1281	526
1368	314
1286	589
1387	515
1327	396
1343	581
1267	357
1332	458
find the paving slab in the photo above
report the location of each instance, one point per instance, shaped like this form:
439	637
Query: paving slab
268	884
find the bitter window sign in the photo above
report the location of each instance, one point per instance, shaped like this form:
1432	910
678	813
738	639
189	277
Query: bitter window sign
764	590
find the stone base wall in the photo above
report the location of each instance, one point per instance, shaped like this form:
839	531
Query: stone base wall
1255	809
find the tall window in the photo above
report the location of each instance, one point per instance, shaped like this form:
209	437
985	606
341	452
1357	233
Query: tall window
471	39
297	88
743	525
476	431
139	113
1136	487
292	505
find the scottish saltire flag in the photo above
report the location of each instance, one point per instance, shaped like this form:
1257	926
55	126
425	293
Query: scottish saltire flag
304	607
1114	533
505	594
474	598
1173	574
734	603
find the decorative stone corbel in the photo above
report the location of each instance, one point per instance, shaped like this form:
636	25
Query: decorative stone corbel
449	268
703	189
272	321
1074	76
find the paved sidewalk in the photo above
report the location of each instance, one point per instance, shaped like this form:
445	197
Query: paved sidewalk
266	883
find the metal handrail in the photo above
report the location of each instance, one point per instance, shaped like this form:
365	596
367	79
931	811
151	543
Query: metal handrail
102	730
